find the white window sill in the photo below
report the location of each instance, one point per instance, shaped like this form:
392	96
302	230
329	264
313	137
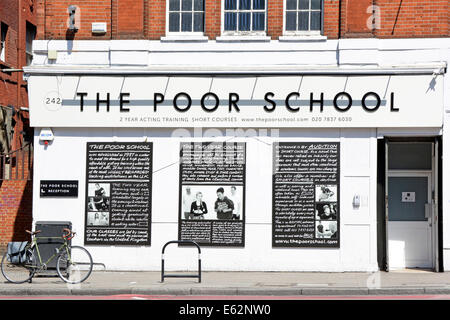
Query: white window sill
301	38
243	38
184	38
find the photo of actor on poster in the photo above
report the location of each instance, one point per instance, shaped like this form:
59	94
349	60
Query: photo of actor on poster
327	211
326	229
200	202
98	196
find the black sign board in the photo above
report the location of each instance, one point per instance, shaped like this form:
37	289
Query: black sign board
58	188
212	193
118	193
306	194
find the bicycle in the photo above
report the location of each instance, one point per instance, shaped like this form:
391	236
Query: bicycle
73	265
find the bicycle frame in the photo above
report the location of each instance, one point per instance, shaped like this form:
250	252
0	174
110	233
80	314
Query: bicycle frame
34	244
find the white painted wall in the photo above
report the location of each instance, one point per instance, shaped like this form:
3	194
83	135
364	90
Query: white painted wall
65	158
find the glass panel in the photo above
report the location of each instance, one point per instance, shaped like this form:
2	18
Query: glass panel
259	4
186	5
291	4
244	21
291	24
303	4
404	156
244	4
230	21
316	4
258	21
407	197
186	22
199	5
303	21
230	4
198	22
174	22
174	5
315	20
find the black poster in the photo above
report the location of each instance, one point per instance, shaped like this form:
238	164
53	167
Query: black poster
306	195
58	188
118	193
212	193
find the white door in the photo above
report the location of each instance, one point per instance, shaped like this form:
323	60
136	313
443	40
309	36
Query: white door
410	220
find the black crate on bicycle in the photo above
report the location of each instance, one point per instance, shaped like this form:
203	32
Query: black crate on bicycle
48	246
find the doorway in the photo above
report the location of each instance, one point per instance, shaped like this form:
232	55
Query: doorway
410	204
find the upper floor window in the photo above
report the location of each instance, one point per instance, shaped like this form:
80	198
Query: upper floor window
30	36
244	16
3	40
186	15
303	16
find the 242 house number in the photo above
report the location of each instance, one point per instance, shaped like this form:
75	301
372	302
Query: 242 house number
52	101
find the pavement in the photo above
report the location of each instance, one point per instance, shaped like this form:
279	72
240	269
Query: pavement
105	283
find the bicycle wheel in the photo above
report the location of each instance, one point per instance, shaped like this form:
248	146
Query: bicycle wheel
19	272
74	266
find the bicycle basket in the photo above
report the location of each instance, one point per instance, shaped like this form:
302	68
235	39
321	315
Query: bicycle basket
17	252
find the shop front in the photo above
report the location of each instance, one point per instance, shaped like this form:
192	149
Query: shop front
294	171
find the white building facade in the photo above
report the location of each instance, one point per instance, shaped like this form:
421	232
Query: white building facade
339	151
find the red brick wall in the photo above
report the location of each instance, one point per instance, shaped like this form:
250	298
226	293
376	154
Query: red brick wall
16	199
128	16
213	20
275	18
331	18
397	18
156	19
15	210
12	87
15	196
355	23
54	18
135	19
415	19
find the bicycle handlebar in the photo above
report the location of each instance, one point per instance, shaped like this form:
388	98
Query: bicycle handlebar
32	233
68	235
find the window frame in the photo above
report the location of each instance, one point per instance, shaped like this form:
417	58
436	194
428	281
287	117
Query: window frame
251	33
3	42
185	33
30	29
301	33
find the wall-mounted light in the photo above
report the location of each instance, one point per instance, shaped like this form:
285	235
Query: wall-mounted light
72	10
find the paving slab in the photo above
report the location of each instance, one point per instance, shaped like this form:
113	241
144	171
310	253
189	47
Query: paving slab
239	283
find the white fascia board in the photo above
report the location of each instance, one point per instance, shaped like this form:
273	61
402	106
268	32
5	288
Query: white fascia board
414	44
129	45
69	45
437	68
270	46
156	45
42	46
359	44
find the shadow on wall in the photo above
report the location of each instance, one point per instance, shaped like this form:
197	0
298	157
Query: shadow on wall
16	212
70	35
24	216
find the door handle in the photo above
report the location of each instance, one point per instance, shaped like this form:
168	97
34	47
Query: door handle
428	210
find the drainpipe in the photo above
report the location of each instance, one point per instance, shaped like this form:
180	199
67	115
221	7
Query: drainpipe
19	62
